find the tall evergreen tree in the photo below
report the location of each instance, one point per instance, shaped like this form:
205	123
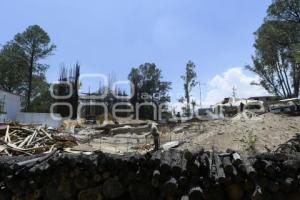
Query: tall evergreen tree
36	44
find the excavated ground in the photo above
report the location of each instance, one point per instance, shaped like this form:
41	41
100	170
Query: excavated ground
255	135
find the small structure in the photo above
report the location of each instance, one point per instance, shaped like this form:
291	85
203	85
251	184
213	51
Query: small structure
289	106
231	106
10	105
204	111
10	110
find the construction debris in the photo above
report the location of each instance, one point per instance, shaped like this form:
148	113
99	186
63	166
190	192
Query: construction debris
170	145
292	146
245	115
43	163
129	129
16	139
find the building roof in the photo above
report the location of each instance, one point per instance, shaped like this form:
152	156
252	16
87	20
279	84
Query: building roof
270	96
286	100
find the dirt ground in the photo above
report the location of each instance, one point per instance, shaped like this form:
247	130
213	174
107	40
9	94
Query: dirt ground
258	134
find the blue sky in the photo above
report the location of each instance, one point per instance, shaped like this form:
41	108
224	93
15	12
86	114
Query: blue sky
115	35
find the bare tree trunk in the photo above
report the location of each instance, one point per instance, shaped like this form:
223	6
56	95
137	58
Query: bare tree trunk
187	96
287	82
76	96
281	81
188	104
27	108
272	84
296	79
282	70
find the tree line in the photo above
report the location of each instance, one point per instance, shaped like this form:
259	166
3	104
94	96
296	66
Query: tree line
276	61
277	43
20	69
23	73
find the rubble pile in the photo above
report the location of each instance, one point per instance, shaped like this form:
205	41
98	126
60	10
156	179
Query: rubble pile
168	174
139	127
16	139
292	146
245	115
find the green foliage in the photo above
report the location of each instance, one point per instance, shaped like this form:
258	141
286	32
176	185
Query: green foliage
13	68
41	103
296	53
250	142
277	49
284	10
190	81
20	71
149	87
35	43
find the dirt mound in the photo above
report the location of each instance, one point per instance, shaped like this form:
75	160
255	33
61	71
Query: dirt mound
259	134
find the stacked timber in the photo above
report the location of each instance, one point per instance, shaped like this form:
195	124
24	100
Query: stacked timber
163	175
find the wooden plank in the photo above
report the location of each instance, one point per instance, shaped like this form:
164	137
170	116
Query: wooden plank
7	137
47	134
24	141
32	138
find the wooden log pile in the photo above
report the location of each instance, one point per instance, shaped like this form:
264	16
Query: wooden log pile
163	175
291	146
18	139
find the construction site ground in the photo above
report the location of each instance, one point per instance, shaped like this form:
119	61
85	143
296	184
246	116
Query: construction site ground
248	135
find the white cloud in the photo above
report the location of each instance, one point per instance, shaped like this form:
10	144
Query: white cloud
220	86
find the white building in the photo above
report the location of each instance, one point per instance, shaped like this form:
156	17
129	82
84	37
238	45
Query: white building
10	110
10	105
231	106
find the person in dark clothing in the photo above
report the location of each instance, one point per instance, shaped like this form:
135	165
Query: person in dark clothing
155	134
242	107
178	116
